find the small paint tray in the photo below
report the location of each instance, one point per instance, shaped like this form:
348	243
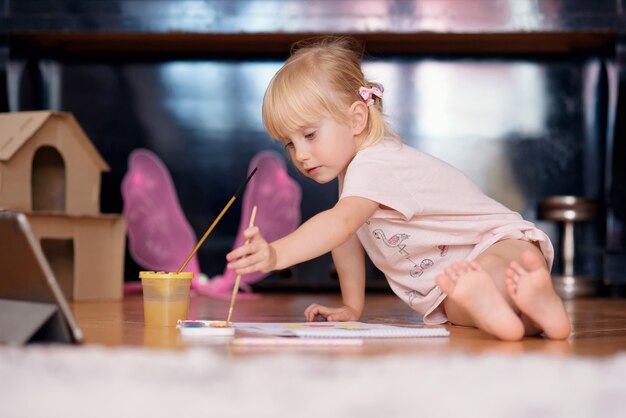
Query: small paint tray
193	328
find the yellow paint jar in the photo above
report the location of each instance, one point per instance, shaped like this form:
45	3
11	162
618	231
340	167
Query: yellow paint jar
165	297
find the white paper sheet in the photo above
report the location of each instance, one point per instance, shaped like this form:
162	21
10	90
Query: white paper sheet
338	330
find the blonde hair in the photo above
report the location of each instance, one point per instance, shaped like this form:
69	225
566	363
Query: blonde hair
322	75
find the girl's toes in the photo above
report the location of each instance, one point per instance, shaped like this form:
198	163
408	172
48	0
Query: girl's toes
511	286
445	283
511	275
460	268
451	273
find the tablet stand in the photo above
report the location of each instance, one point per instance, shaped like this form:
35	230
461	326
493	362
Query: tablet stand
25	322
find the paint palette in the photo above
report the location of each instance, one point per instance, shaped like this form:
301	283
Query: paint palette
205	328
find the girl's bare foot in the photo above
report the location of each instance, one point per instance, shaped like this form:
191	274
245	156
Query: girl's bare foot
531	289
473	289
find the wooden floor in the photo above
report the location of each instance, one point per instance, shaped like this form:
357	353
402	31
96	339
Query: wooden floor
599	326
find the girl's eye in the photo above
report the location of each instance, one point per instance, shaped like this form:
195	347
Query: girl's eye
288	145
310	135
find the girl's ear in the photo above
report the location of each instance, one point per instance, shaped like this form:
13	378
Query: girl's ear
359	113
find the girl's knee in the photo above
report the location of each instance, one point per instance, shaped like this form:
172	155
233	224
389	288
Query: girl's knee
505	251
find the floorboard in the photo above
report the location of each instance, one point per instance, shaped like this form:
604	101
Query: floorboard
599	326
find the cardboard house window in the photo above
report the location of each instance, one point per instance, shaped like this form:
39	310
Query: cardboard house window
48	180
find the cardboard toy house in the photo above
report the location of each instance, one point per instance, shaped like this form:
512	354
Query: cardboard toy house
51	171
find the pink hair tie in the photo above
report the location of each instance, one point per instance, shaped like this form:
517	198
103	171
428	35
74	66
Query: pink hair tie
367	93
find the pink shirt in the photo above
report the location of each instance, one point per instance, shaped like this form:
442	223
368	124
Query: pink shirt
435	216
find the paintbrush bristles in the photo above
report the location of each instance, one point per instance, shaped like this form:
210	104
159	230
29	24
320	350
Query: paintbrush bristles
238	278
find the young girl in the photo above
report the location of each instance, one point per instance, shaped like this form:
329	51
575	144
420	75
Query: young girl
449	251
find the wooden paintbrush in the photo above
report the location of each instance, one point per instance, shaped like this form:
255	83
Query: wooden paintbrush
206	234
238	278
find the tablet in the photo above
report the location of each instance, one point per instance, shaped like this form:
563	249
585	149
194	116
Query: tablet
32	304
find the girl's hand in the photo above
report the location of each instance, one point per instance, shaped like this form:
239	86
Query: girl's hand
345	313
255	255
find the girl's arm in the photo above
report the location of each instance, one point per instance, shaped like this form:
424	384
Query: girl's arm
349	260
322	233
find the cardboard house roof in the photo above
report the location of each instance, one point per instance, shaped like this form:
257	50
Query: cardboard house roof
19	127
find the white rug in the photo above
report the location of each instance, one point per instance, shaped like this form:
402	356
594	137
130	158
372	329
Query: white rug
98	382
